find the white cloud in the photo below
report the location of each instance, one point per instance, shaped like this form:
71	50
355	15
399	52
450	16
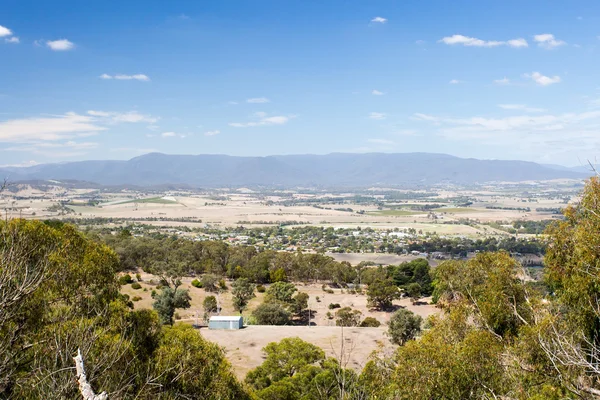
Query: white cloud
168	134
137	77
377	115
51	128
13	39
258	100
517	43
380	141
263	121
233	103
55	149
4	31
454	82
116	117
548	41
503	81
212	133
420	42
60	45
24	164
474	42
522	107
543	80
377	93
380	20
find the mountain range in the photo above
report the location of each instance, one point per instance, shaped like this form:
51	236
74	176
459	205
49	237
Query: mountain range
331	170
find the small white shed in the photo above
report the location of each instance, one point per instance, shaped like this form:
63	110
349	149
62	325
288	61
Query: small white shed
225	322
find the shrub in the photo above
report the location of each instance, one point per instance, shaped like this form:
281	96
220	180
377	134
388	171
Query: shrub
177	316
329	315
318	299
347	317
260	289
125	280
138	277
210	304
222	284
196	283
404	326
333	306
370	322
271	314
136	286
136	298
145	289
153	293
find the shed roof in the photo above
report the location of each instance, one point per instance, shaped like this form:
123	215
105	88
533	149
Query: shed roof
225	318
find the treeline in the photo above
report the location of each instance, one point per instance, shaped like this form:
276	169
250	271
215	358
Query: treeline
182	257
462	246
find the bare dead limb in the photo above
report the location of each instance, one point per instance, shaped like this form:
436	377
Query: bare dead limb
86	389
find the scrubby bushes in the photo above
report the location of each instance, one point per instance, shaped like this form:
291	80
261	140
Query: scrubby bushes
125	279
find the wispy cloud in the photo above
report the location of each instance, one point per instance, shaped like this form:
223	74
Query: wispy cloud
13	40
212	133
475	42
503	81
377	93
60	45
379	20
168	134
264	121
454	82
381	141
543	80
548	41
134	150
51	128
377	115
116	117
137	77
258	100
545	132
521	107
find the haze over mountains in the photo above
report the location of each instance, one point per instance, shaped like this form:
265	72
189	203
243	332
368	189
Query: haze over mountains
331	170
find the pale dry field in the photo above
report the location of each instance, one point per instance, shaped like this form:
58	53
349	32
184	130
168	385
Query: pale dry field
244	206
244	347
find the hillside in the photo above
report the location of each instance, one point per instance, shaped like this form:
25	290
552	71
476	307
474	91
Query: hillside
336	169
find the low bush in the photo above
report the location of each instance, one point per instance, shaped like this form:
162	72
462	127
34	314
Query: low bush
136	298
370	322
136	286
333	306
260	289
196	283
125	279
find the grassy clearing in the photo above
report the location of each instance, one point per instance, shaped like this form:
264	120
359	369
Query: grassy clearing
456	210
394	213
153	200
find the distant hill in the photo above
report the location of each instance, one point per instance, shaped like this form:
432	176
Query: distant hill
331	170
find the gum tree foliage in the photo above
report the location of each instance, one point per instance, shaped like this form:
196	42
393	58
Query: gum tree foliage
381	293
242	292
60	293
404	326
168	300
294	369
347	317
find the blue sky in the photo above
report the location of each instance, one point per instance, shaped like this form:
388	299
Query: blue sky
114	80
